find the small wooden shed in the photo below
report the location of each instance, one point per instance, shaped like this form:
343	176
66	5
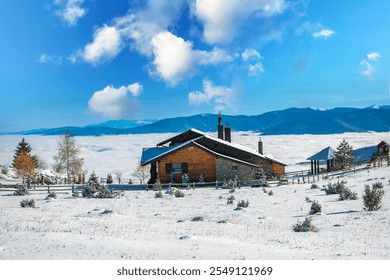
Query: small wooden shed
328	155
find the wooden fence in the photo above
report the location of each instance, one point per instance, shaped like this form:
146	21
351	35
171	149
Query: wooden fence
41	188
304	176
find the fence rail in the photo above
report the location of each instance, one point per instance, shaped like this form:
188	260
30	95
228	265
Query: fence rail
40	188
296	177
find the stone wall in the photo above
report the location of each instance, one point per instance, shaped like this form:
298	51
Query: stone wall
227	169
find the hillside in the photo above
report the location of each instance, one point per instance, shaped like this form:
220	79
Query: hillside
289	121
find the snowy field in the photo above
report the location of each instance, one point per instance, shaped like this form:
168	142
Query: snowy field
140	226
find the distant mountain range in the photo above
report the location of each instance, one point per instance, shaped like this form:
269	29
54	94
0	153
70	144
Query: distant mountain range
289	121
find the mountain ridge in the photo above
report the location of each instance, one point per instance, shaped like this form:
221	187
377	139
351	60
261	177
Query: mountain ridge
288	121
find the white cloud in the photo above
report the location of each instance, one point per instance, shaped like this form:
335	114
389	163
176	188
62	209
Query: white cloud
142	25
171	58
214	57
221	18
221	97
48	58
252	58
107	43
70	10
374	56
116	103
135	89
255	69
175	58
369	69
324	33
250	53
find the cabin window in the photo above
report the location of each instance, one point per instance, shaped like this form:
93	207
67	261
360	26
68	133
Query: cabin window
380	150
235	168
176	168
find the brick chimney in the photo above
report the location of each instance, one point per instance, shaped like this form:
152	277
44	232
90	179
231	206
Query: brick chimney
228	133
220	126
260	146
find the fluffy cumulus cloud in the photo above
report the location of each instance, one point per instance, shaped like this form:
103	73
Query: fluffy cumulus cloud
172	56
141	25
220	97
324	33
221	18
175	58
367	64
106	44
116	103
70	10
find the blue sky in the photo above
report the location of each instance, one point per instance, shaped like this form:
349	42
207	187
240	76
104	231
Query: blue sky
78	62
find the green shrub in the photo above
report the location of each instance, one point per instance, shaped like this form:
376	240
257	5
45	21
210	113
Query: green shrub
28	203
179	193
158	194
304	226
314	186
243	204
335	188
51	195
21	190
315	208
377	185
99	192
347	194
372	198
230	199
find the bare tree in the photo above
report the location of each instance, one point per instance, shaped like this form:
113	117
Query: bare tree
118	174
68	157
141	172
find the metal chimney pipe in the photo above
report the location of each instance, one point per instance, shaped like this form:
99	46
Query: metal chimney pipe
260	146
228	134
220	126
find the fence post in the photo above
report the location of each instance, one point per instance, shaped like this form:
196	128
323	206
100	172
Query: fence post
48	188
72	188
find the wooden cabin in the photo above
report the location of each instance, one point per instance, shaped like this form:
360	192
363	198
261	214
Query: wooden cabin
197	154
382	154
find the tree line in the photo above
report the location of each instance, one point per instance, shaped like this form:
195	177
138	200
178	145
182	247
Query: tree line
67	160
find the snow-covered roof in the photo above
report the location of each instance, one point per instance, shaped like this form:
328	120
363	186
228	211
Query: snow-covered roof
325	154
203	135
151	154
363	154
238	146
227	157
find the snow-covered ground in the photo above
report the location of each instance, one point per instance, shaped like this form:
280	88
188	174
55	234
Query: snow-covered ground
140	226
